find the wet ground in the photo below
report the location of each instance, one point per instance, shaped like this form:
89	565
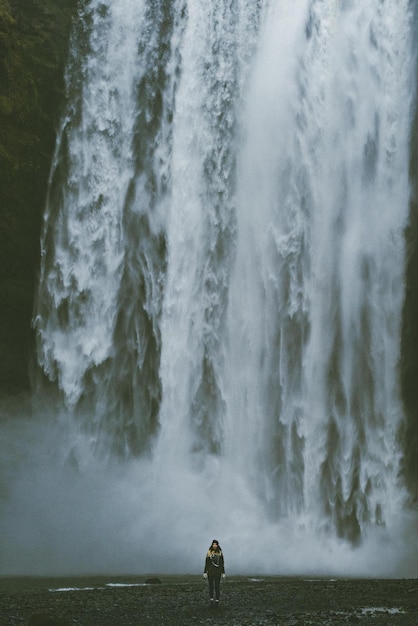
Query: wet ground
177	601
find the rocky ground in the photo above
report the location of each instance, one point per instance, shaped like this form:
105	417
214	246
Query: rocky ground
183	602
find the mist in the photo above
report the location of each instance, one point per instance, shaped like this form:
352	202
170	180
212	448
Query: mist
67	512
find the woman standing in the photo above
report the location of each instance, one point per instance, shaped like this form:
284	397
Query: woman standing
214	569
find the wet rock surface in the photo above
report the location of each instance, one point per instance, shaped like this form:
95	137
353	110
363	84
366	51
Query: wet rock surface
183	602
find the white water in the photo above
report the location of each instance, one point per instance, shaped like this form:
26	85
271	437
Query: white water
221	293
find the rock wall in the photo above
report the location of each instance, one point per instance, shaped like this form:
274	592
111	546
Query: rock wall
409	348
33	50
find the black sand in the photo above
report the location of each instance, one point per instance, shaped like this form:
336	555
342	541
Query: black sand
183	601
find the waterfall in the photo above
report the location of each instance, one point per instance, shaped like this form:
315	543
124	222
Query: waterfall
317	291
220	297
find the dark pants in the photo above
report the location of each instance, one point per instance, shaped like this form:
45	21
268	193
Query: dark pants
214	581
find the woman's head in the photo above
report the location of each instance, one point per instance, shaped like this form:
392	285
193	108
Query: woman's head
215	545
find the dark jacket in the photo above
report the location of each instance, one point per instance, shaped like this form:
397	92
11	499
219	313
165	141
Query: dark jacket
214	564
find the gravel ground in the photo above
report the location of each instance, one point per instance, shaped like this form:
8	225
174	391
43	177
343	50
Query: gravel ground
177	601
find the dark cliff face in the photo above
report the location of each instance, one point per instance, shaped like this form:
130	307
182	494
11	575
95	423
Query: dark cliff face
409	347
409	339
33	50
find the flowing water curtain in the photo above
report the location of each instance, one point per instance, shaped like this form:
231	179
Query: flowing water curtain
99	335
222	273
217	40
366	210
103	245
316	299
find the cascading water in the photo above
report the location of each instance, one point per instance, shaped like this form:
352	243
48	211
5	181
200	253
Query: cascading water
317	290
221	286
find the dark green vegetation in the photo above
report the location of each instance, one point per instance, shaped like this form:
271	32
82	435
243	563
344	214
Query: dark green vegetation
33	51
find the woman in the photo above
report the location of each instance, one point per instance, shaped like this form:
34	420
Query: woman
214	569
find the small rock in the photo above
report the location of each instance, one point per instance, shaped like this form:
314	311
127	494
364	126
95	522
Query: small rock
153	581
